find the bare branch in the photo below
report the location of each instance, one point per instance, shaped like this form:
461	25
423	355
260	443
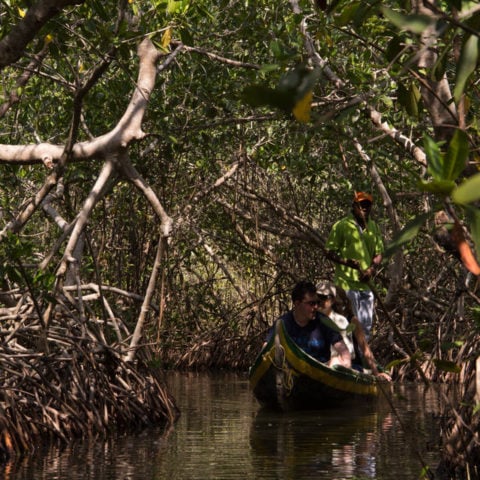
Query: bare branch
218	58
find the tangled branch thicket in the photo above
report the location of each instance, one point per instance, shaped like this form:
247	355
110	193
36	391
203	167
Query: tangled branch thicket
68	380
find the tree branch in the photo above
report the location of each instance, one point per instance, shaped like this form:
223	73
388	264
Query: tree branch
12	46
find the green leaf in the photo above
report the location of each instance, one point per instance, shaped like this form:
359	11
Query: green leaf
468	191
269	67
466	65
439	68
276	48
407	234
409	97
425	472
457	155
395	363
413	23
177	6
348	14
446	366
438	187
434	157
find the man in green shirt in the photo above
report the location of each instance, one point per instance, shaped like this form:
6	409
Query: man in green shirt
355	244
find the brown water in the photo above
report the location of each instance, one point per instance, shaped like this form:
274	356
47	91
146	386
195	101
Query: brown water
223	434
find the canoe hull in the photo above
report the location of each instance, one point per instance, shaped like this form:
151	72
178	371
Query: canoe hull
285	377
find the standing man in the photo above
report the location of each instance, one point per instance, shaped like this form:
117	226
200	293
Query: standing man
355	244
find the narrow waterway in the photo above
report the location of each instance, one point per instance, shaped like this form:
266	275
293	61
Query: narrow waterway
223	434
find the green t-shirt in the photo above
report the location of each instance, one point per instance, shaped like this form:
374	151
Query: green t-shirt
349	242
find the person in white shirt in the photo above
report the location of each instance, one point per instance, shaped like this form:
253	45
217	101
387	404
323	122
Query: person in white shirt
330	300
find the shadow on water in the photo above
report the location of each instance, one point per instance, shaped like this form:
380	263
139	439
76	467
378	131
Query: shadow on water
223	434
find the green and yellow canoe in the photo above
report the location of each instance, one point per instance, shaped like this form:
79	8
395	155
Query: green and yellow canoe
285	377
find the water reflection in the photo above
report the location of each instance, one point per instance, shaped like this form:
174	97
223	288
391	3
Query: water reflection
331	444
223	434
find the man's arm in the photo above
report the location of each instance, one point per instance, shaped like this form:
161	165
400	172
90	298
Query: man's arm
366	350
335	257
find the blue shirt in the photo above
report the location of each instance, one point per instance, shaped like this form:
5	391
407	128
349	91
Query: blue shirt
315	338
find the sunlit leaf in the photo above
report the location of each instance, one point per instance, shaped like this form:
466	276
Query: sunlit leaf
468	191
466	65
180	6
167	37
407	234
414	23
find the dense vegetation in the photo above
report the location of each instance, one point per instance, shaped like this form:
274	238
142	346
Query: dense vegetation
171	168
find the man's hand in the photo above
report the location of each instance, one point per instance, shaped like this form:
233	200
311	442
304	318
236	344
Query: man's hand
384	376
367	274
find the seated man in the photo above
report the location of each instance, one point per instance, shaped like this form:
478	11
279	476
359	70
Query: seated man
304	326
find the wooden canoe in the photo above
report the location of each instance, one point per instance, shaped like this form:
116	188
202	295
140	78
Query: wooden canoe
287	378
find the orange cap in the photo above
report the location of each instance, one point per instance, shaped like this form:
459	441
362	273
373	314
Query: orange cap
361	196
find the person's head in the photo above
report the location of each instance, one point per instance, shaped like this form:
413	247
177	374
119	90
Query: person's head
326	293
305	302
301	289
362	205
